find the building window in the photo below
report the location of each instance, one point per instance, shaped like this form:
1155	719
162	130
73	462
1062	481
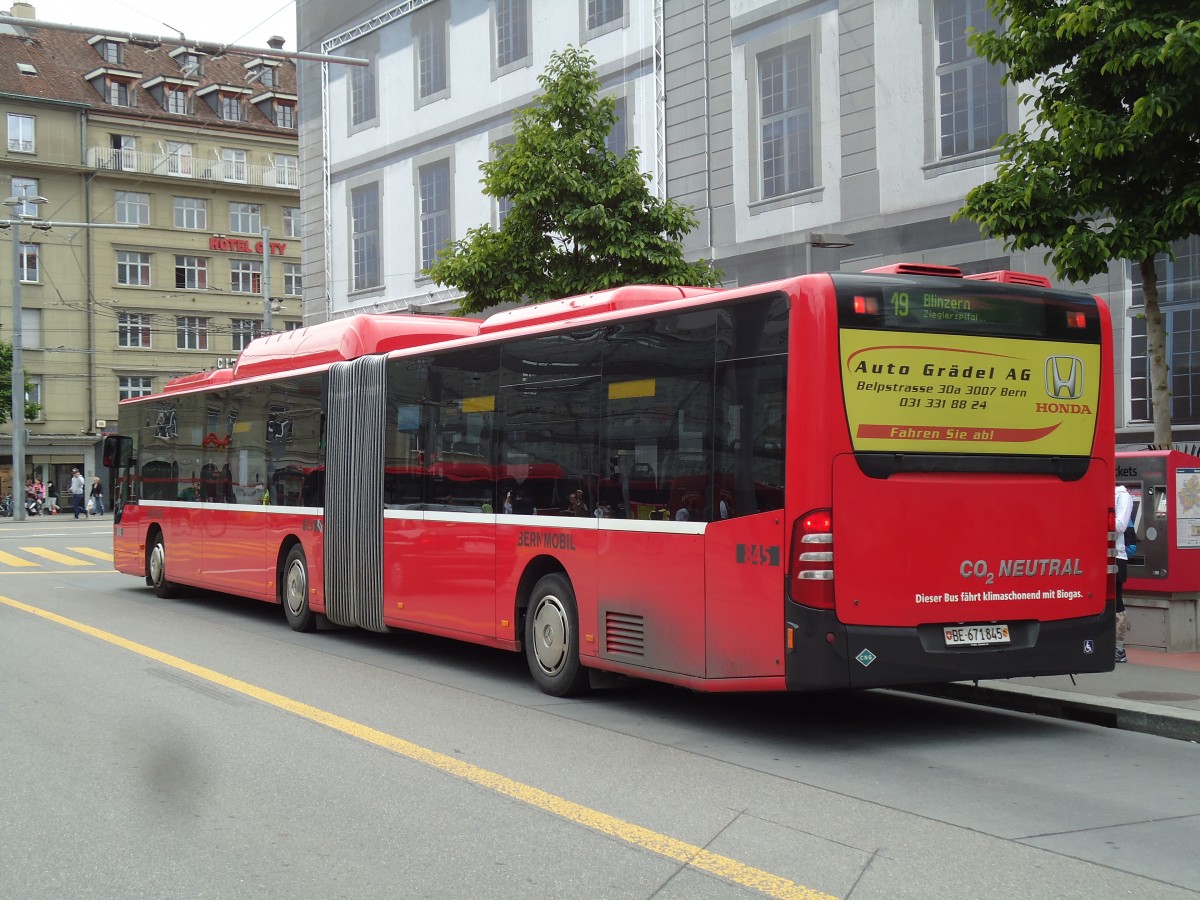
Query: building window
21	133
504	205
177	100
27	259
245	276
291	221
191	64
133	208
130	386
602	12
31	328
111	51
287	170
245	218
119	92
133	268
179	159
1179	297
617	141
25	187
124	156
293	284
430	40
434	190
191	333
133	330
363	103
191	212
972	103
785	120
244	331
264	75
512	31
285	115
231	108
34	395
364	237
191	272
233	162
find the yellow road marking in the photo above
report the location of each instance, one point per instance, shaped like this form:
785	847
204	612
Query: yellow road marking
57	557
9	560
694	856
89	551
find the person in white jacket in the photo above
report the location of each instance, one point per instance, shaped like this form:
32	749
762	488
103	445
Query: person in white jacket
1124	509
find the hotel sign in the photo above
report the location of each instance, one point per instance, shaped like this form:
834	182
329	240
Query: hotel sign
243	245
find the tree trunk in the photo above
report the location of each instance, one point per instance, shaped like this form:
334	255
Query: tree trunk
1156	355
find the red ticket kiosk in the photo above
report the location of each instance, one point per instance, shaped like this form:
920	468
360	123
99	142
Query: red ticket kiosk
1164	566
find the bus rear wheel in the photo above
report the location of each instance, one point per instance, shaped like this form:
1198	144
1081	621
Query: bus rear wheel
294	591
156	568
552	638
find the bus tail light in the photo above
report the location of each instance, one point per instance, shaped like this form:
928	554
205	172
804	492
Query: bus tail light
811	579
1110	589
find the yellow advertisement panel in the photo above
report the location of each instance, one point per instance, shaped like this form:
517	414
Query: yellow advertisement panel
937	393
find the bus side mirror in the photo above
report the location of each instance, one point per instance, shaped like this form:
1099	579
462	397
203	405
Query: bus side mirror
118	451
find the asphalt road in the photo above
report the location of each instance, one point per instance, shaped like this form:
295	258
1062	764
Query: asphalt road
199	748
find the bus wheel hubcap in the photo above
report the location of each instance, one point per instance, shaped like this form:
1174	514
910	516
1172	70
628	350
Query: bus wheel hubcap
296	588
550	634
156	563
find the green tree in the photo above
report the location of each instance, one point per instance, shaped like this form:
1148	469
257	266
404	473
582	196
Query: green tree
581	218
1107	167
31	409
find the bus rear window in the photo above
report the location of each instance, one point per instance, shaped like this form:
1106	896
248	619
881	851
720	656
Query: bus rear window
955	306
940	374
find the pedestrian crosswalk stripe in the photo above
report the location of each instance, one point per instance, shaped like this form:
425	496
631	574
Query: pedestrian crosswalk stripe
9	560
57	557
89	551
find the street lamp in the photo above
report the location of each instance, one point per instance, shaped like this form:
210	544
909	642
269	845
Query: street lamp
827	239
16	206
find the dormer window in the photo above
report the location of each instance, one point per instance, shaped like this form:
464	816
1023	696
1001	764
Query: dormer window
231	108
227	101
263	72
117	86
119	92
177	100
111	49
189	60
173	94
280	109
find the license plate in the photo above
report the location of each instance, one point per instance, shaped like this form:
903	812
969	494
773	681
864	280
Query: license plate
976	634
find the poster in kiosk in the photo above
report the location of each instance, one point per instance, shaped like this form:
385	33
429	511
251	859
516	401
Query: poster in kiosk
1165	487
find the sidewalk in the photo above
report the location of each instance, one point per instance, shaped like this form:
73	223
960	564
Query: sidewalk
1157	693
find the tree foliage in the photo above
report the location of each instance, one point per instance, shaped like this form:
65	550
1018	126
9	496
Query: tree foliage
1107	167
32	410
581	217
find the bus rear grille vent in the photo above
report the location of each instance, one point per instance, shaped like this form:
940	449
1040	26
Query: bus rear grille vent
624	633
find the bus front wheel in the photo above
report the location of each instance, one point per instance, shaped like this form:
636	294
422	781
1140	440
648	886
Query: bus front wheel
156	568
294	591
552	638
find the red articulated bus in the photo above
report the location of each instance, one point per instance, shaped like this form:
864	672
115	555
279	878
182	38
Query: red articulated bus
836	480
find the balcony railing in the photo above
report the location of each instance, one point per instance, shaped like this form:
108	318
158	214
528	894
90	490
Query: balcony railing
195	168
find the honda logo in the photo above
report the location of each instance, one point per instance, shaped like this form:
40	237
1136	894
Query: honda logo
1064	377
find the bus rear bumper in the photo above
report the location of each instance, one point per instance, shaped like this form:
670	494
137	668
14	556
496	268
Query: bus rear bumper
830	655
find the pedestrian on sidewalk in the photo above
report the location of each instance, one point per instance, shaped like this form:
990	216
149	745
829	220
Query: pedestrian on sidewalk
1124	509
77	490
97	496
